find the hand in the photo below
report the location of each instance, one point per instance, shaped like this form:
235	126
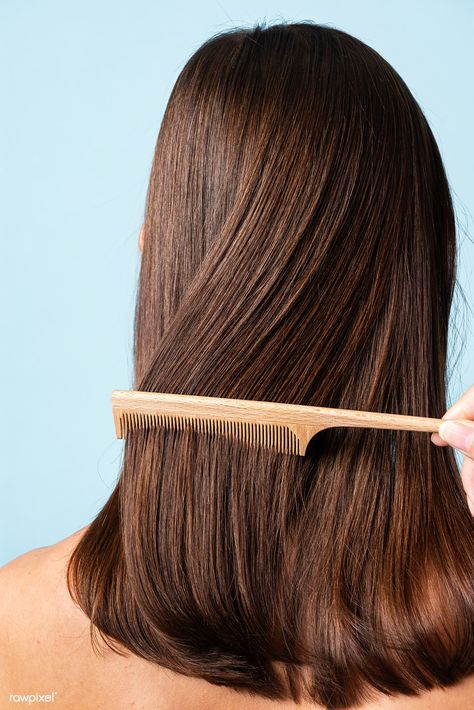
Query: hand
461	436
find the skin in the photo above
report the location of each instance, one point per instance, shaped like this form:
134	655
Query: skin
45	645
461	437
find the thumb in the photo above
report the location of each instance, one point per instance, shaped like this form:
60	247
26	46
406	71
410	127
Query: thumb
459	434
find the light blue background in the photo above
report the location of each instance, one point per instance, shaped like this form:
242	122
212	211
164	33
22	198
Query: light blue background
84	86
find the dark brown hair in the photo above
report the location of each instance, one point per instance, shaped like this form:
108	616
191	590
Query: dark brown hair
299	247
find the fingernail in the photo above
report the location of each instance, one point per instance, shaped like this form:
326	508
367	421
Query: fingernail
458	435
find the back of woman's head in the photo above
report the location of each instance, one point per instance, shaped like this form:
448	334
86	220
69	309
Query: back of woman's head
299	247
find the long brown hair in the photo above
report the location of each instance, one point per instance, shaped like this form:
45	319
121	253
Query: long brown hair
299	247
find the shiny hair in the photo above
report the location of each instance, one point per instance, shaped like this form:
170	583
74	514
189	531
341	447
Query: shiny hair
299	247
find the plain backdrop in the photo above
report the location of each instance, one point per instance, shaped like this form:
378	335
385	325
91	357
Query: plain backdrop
84	87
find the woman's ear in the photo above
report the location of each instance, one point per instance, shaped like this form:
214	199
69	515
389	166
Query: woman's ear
141	238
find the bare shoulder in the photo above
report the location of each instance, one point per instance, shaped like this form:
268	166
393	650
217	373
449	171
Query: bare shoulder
29	576
35	571
35	612
22	567
45	644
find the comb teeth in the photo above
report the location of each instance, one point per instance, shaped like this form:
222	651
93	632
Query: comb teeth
274	436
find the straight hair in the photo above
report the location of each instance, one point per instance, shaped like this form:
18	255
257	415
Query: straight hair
299	247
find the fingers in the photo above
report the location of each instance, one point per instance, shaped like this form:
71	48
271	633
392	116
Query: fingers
462	409
467	476
459	434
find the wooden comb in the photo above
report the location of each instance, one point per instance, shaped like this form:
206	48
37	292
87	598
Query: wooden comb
286	428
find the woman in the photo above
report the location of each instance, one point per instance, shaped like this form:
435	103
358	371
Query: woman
298	246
